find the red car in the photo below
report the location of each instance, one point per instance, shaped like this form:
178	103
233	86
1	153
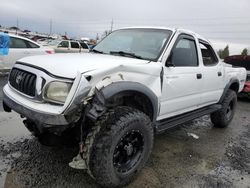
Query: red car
247	88
241	61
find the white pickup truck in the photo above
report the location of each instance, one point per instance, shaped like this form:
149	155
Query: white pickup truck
135	83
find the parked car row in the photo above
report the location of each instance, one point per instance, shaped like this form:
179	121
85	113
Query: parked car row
20	47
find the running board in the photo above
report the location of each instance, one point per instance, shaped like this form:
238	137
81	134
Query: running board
162	125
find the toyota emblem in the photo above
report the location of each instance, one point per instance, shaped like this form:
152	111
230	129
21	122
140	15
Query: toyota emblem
19	79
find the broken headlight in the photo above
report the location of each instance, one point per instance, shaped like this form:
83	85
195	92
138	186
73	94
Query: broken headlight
57	91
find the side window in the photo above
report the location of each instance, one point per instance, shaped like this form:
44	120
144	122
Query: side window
63	44
184	52
17	43
32	45
208	55
74	45
84	46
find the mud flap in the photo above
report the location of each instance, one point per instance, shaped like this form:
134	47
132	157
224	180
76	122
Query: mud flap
78	163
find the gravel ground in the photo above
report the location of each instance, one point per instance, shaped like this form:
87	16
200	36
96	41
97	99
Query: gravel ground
218	158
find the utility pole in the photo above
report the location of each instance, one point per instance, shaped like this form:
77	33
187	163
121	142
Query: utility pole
112	23
17	25
97	37
50	27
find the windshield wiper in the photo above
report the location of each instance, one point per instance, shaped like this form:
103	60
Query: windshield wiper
122	53
97	51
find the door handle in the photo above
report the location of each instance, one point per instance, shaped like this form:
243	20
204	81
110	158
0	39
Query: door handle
199	76
219	74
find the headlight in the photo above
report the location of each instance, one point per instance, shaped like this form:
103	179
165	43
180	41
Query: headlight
57	91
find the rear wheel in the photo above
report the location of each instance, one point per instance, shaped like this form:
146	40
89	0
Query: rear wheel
224	116
121	147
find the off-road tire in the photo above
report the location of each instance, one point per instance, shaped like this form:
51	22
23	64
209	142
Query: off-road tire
109	131
224	116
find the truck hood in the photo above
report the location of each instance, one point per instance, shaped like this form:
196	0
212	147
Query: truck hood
68	65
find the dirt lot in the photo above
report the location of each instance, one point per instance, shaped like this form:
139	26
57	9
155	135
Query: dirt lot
218	158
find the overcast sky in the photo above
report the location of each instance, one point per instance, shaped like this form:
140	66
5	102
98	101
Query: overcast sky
221	21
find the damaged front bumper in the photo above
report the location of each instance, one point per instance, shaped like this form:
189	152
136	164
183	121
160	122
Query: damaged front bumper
36	116
47	115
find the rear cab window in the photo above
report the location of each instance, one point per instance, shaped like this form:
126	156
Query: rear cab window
208	55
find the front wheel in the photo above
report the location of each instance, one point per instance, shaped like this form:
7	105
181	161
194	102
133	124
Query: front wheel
121	147
224	116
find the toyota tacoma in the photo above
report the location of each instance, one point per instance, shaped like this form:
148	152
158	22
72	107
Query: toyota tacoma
136	83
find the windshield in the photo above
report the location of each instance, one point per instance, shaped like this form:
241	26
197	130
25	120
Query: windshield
137	43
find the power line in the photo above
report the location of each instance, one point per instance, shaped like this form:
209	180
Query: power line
17	25
50	27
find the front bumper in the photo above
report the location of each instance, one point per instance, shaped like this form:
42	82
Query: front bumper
37	117
44	114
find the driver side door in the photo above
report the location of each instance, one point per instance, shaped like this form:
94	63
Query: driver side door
182	80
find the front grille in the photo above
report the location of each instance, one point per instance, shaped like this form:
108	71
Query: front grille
23	81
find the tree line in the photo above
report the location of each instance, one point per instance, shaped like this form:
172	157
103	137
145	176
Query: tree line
225	52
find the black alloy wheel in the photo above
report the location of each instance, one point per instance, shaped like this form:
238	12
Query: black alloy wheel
128	151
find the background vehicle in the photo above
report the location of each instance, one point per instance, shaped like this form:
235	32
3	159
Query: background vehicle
47	42
91	46
21	47
84	47
241	61
136	82
68	46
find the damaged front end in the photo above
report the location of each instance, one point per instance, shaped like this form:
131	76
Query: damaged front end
42	115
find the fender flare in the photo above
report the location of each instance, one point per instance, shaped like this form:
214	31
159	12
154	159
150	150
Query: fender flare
106	93
232	81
